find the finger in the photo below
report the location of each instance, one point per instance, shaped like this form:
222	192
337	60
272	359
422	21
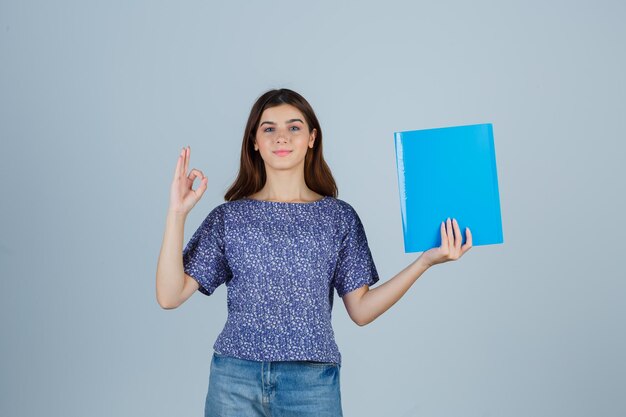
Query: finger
468	240
187	156
450	235
458	236
202	188
179	163
194	174
444	236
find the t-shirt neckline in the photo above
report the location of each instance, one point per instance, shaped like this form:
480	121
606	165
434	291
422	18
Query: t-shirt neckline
287	202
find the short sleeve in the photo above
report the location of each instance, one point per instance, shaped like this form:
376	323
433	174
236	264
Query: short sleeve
204	258
355	265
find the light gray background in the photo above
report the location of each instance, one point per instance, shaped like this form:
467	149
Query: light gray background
97	98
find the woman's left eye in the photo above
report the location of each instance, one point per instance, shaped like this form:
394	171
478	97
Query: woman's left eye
295	127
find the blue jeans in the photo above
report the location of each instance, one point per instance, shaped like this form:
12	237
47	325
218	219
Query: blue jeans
244	388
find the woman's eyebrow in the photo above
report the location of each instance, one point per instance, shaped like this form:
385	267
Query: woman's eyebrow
288	121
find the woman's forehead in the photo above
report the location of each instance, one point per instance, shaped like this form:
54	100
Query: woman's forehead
281	113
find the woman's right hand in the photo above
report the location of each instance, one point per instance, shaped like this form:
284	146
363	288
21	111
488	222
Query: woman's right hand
182	197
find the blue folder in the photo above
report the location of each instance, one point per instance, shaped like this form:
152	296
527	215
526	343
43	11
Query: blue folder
448	172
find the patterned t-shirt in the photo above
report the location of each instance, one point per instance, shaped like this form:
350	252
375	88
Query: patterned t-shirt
281	263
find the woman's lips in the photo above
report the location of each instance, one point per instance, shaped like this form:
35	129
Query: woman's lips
282	153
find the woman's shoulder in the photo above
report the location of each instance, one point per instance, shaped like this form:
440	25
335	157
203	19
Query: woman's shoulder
344	207
342	212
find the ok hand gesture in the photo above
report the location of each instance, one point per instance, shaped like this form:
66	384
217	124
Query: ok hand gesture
450	248
182	197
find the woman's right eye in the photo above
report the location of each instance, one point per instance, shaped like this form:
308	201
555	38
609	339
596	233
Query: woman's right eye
268	128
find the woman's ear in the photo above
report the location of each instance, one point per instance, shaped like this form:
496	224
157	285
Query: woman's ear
312	137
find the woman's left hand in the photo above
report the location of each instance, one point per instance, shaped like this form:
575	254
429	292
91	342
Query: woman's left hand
450	249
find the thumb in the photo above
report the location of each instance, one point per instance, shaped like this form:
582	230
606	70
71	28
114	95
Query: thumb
202	187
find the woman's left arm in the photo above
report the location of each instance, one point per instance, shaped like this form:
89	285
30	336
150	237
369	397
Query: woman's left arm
365	305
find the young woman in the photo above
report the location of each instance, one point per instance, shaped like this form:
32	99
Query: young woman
282	243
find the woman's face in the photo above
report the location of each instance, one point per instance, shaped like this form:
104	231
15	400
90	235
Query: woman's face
283	127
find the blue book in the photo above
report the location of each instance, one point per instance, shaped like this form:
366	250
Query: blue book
448	172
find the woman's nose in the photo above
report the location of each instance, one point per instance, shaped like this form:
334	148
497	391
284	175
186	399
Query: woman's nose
282	135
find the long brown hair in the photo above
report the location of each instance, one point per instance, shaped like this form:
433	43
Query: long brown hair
251	177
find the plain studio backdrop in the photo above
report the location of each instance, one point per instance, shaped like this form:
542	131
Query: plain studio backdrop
98	98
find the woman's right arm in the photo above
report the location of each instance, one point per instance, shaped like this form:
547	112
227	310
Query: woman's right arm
173	286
